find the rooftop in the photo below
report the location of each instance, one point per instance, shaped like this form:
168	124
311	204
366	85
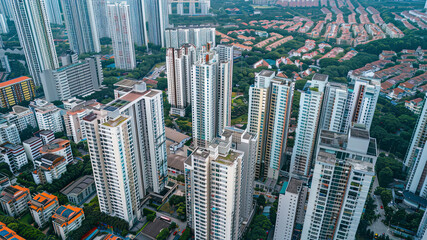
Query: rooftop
115	122
176	161
228	159
32	140
294	186
320	77
266	73
14	81
78	186
175	135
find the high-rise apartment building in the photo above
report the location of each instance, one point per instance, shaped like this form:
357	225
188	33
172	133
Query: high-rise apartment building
213	186
157	18
245	142
145	108
32	148
6	9
196	35
81	26
59	147
211	83
364	97
179	62
143	111
270	102
78	79
114	165
416	157
342	176
422	233
197	7
289	209
308	121
73	120
53	11
121	35
101	20
347	105
35	36
138	22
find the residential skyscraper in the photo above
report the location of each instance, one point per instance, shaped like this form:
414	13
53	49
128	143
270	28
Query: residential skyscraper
15	91
364	97
213	186
101	20
198	7
211	82
179	62
6	9
139	130
114	165
120	32
138	21
53	11
245	142
416	157
291	205
81	26
145	109
270	102
35	36
342	176
48	115
196	35
308	121
421	233
347	105
157	20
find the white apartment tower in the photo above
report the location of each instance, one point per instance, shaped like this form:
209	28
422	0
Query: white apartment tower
179	62
308	121
101	20
291	204
120	32
114	165
81	26
53	11
416	157
245	142
198	36
211	83
35	36
335	111
213	187
364	97
270	102
145	109
342	176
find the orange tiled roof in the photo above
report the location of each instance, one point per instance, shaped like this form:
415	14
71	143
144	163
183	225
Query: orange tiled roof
8	234
14	81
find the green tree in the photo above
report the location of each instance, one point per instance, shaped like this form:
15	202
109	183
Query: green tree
151	217
386	196
385	177
163	235
261	200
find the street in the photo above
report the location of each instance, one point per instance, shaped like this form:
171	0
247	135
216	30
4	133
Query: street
378	226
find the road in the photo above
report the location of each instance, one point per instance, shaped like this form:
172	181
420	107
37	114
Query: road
181	225
378	226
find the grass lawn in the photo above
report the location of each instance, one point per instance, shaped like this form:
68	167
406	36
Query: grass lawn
167	208
27	218
240	120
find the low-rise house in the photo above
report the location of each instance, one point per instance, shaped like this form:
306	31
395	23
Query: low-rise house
42	206
415	105
14	155
397	94
80	190
14	200
8	234
32	148
66	219
176	164
51	167
60	147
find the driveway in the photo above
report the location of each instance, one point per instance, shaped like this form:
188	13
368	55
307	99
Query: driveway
378	226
